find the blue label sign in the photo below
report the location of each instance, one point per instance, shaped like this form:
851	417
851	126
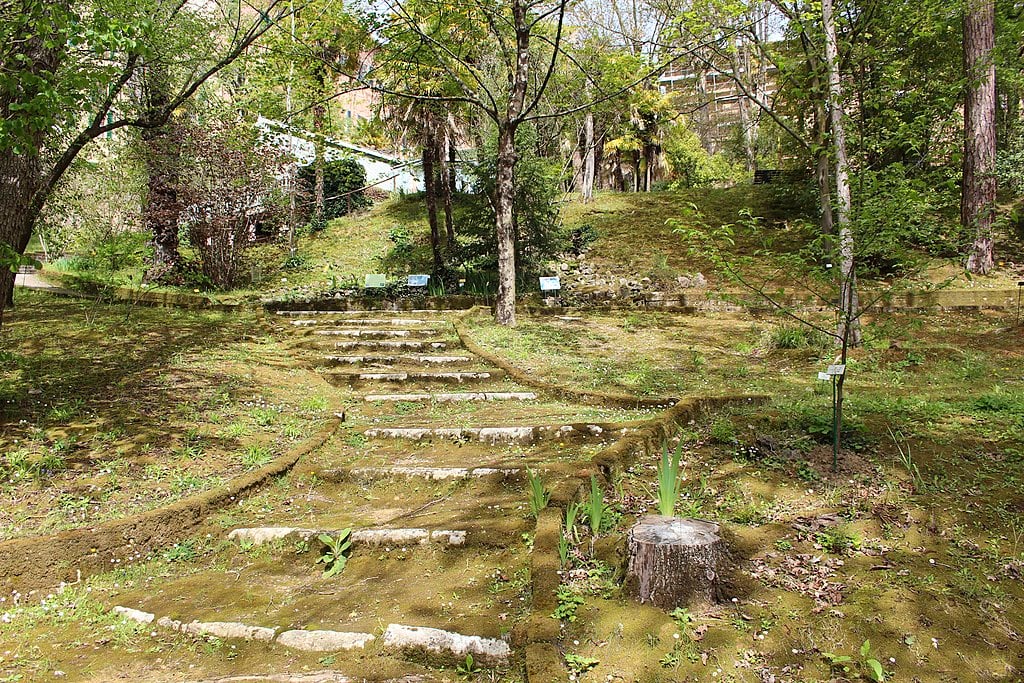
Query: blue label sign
550	284
418	280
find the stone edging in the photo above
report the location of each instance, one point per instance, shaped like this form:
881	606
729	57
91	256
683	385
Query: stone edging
543	660
598	397
41	562
71	286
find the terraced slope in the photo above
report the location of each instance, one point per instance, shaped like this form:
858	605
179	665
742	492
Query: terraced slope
427	482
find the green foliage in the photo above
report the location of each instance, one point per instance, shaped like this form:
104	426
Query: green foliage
837	540
538	495
900	220
335	552
690	163
867	666
344	176
539	234
467	668
568	602
669	481
595	507
256	455
789	336
723	431
578	664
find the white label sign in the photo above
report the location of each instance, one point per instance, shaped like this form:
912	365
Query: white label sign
836	370
824	376
375	280
550	284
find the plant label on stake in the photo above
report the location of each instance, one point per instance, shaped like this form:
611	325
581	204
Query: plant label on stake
836	370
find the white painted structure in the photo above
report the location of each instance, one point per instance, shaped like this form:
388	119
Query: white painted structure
383	170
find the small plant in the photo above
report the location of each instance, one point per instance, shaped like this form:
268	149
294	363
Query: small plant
837	540
468	668
669	482
844	664
907	460
595	506
256	455
682	617
723	431
336	552
568	602
539	496
181	552
578	664
314	404
572	511
264	417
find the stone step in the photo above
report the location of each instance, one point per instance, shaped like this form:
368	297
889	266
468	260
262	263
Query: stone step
455	397
378	313
416	642
489	435
412	359
392	344
412	376
370	537
379	322
366	474
375	334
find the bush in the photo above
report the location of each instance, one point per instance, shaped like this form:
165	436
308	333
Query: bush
692	166
228	187
341	177
539	237
900	219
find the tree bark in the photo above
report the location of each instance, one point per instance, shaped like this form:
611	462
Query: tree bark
504	196
430	193
979	179
673	562
589	159
848	303
446	179
319	114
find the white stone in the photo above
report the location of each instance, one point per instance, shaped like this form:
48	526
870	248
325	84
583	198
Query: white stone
323	641
456	396
230	629
518	435
452	646
261	535
134	614
167	622
390	536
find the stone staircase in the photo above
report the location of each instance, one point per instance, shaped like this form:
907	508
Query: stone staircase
427	481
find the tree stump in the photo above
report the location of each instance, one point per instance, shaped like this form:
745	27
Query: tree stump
674	562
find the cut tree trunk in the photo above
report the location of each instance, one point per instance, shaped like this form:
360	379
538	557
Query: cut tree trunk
675	562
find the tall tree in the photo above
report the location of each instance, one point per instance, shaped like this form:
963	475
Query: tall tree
70	73
979	179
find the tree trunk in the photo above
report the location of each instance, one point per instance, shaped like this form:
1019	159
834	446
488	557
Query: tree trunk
979	179
430	194
21	180
504	196
848	303
446	179
162	208
673	562
319	114
589	159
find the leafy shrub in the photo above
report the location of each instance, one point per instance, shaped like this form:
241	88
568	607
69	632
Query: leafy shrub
539	234
797	337
692	166
341	177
